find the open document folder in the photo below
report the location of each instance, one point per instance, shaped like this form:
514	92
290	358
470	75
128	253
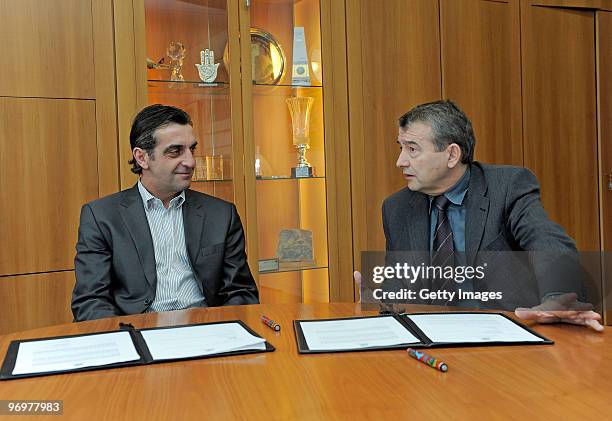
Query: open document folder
412	330
128	347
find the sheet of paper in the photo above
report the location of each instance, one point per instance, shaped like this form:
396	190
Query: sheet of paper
474	328
71	353
330	335
193	341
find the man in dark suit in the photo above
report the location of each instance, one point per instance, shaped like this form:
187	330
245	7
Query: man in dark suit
456	210
159	246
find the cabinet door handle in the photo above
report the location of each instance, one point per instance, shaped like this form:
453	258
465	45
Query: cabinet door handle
609	180
247	3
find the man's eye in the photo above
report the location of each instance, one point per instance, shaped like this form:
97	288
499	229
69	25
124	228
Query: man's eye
411	149
192	148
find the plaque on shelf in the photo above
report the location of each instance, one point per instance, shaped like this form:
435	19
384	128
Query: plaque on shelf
300	75
268	265
294	245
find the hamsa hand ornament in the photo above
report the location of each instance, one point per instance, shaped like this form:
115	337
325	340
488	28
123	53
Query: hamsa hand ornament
207	68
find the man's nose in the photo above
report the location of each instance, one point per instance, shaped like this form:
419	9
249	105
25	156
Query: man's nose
402	160
189	160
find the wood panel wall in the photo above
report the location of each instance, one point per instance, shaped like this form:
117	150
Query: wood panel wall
604	119
532	75
393	64
481	71
559	106
58	147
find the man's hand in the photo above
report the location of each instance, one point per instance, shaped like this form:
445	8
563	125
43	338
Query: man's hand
357	277
563	308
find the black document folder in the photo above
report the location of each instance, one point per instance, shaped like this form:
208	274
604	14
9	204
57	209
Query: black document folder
137	340
426	334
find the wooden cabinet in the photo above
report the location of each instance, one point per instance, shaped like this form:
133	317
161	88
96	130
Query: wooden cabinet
58	147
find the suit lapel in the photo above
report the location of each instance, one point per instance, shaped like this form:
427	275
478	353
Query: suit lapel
419	227
476	214
193	221
412	222
133	214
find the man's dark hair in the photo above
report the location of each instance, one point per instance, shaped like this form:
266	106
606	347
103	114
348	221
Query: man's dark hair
147	122
448	124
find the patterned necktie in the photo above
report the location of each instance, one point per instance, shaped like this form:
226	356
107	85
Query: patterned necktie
442	251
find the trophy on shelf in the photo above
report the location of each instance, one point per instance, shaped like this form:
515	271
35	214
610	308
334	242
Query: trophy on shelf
300	107
176	51
207	69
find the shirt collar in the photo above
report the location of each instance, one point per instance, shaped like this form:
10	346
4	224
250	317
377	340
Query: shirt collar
457	193
149	201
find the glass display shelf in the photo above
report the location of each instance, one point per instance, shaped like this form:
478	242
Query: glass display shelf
219	180
293	268
273	85
187	87
287	177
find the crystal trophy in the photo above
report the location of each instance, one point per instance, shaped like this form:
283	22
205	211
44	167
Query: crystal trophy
176	51
300	107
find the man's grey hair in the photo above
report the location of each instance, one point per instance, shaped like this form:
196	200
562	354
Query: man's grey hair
448	124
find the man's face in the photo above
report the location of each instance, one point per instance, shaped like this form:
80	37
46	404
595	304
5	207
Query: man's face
425	169
168	171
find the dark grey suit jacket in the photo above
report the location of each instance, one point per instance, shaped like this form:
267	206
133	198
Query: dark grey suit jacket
115	260
504	214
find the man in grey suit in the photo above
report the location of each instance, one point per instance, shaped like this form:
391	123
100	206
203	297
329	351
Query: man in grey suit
454	209
159	246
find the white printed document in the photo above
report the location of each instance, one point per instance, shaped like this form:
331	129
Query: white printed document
72	353
343	334
471	328
193	341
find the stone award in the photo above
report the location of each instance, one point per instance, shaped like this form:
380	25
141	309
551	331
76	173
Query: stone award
295	245
300	107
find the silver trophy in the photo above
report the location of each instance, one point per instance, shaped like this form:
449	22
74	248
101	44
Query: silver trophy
207	69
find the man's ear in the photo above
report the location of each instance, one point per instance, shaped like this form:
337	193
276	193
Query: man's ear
454	155
141	157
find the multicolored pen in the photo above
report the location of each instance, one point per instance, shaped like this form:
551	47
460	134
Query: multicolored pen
428	359
270	323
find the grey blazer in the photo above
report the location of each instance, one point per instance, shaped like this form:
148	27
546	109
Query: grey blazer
115	261
504	214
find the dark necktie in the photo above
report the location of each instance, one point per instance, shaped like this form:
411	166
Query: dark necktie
442	251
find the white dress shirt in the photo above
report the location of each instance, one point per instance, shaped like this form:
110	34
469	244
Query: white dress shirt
177	287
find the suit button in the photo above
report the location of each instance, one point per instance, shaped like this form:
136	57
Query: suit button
148	301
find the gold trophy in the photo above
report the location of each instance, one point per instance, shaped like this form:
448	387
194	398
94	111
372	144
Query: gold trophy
176	51
300	107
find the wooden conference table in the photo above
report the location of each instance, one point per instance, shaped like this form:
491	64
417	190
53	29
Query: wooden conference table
569	380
